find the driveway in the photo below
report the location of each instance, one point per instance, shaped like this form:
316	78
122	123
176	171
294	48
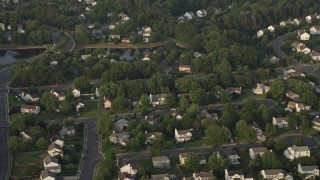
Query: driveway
308	140
93	157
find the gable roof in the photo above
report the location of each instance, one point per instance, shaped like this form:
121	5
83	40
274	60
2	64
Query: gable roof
27	106
160	158
180	132
273	171
54	146
45	174
50	159
300	148
234	172
259	149
203	174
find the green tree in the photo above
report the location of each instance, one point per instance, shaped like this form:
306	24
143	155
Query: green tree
119	104
42	143
310	98
270	129
277	88
218	164
225	96
16	124
82	83
37	132
82	34
243	131
104	125
280	147
15	144
171	101
53	127
70	168
229	116
192	162
217	135
144	101
50	101
271	161
31	169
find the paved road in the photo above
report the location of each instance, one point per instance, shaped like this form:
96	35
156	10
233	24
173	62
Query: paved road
93	157
309	141
197	150
4	154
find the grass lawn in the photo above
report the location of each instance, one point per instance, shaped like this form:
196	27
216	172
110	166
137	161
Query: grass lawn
91	109
13	101
245	94
23	158
309	131
18	171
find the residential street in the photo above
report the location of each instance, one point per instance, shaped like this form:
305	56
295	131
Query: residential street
4	154
93	157
197	150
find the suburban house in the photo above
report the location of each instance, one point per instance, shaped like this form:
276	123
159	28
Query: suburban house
29	97
315	30
285	23
272	59
201	13
189	15
309	18
114	36
119	138
309	171
271	28
30	109
47	175
123	17
261	32
161	162
55	150
296	22
157	99
124	176
67	130
121	125
275	174
51	164
234	159
298	106
125	40
293	96
232	90
150	137
261	89
97	33
185	68
253	152
304	36
182	158
59	142
202	176
296	152
160	177
316	123
146	33
61	95
234	175
107	103
281	122
76	93
303	49
315	55
130	168
182	135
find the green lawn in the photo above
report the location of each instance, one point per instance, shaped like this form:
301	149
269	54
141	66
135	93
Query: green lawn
91	109
245	94
18	171
23	158
13	101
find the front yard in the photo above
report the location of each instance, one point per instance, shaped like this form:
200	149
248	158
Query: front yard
22	160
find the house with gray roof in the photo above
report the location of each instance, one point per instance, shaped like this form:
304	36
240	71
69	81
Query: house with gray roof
161	162
47	175
309	171
51	164
275	174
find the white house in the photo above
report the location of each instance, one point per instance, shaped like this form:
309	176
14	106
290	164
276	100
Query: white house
253	152
309	171
182	135
309	18
298	106
281	122
296	22
29	97
150	137
271	28
304	36
25	137
275	174
107	103
47	175
201	13
285	23
76	93
303	49
157	99
67	130
55	150
316	123
315	55
261	89
296	152
51	164
30	109
234	175
315	30
260	33
61	95
189	15
130	168
203	176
